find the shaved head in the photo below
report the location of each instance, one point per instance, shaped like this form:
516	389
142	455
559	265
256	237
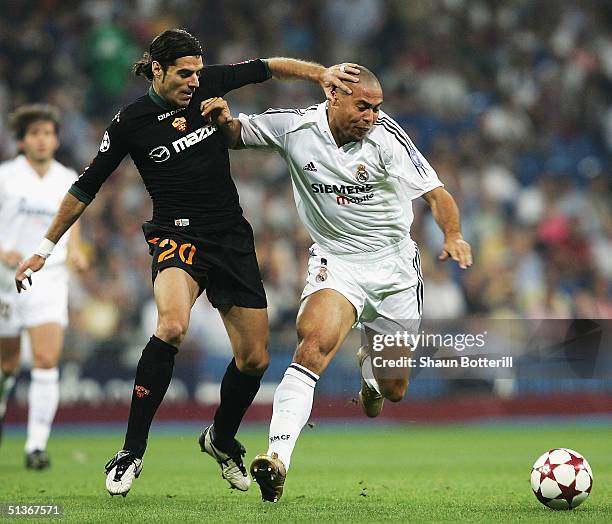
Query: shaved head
367	78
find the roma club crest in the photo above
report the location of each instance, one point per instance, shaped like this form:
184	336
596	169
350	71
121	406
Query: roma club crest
361	175
180	124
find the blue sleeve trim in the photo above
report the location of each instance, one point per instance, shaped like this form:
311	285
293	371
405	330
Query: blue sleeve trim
80	194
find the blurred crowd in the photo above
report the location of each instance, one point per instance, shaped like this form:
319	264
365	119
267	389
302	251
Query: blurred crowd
510	101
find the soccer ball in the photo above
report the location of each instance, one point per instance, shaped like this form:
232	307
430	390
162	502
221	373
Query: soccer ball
561	479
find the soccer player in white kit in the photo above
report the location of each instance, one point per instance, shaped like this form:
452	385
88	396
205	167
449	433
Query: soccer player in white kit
354	173
31	189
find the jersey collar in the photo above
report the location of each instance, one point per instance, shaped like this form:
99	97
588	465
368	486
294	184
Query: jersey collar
323	123
158	100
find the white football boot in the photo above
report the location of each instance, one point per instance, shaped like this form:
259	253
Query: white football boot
121	471
232	467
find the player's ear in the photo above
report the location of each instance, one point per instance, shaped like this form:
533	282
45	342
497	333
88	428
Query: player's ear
157	69
333	96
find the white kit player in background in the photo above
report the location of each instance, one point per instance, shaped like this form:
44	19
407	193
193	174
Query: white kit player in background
32	187
355	173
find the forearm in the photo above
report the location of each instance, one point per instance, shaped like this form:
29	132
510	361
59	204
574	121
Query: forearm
446	213
292	69
231	131
70	210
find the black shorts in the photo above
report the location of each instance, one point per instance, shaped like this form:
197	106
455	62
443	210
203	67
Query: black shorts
224	263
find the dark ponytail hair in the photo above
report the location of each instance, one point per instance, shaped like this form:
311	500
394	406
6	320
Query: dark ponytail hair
165	49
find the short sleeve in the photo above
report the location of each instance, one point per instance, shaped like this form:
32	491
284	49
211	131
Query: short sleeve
405	162
267	130
113	149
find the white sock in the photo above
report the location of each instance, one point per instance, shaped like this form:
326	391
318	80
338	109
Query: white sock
368	374
292	406
6	385
43	399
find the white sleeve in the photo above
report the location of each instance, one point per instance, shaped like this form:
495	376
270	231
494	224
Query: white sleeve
406	163
268	129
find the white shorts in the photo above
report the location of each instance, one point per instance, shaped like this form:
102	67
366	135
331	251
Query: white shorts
385	287
45	302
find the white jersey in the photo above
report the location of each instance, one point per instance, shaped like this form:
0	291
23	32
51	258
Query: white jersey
352	199
28	204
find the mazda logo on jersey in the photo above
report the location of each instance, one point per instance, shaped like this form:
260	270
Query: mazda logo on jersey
194	137
159	154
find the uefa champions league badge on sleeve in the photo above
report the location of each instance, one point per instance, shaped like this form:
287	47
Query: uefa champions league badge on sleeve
361	175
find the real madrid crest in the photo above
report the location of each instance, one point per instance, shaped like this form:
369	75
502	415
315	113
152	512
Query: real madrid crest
322	274
361	175
180	124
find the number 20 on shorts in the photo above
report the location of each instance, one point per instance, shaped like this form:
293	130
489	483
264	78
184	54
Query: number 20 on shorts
186	257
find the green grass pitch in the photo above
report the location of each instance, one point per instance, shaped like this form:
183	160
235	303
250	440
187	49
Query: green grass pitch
340	473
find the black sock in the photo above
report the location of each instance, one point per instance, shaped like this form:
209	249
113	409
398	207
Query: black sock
237	393
153	376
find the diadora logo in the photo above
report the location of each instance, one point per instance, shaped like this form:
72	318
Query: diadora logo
163	116
159	154
180	124
310	167
193	138
276	438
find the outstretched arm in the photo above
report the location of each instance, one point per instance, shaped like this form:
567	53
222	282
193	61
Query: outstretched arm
69	211
327	77
446	213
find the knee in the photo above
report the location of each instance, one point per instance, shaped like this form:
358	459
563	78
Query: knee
172	330
394	391
311	352
254	362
